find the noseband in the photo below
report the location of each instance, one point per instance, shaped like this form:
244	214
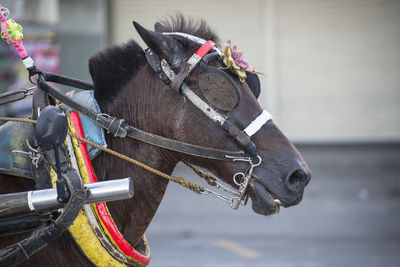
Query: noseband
243	137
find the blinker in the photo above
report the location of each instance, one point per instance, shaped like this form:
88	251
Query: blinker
218	89
251	78
253	81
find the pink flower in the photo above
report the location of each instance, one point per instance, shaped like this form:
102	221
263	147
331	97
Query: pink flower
237	56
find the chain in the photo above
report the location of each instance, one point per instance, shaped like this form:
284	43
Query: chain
241	179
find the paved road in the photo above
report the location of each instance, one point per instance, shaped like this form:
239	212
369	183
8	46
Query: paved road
349	217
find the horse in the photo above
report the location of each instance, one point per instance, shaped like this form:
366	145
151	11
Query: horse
125	86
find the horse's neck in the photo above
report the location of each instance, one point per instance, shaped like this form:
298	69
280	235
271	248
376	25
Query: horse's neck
134	215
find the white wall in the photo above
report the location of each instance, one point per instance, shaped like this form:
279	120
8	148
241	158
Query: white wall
332	67
82	32
339	69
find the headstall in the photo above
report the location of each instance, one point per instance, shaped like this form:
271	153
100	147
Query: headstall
206	52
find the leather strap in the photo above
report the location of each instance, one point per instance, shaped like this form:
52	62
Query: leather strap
178	146
188	66
180	77
155	64
60	79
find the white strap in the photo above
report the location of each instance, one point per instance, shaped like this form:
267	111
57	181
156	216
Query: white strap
192	38
203	106
256	125
187	36
28	62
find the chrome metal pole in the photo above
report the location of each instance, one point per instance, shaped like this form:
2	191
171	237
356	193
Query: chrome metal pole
46	199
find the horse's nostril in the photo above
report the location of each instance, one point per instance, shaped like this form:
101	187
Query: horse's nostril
297	180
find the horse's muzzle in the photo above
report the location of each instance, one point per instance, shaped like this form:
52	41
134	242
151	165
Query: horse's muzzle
274	187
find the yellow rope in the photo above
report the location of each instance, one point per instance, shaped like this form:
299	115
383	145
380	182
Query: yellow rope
180	180
209	178
17	119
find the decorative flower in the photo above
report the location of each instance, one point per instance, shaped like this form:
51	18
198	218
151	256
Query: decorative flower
233	58
237	55
14	30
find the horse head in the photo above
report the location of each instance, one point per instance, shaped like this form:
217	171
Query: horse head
281	173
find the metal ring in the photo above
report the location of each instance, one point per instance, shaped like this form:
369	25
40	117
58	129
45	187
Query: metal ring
5	12
205	192
258	163
236	175
234	202
102	114
234	158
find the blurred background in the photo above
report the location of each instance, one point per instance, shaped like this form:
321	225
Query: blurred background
331	80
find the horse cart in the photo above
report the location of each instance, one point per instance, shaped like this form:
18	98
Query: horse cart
177	105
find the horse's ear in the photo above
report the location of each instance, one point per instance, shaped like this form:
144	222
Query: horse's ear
158	27
164	46
253	82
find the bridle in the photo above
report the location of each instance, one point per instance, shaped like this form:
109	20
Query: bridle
119	128
177	81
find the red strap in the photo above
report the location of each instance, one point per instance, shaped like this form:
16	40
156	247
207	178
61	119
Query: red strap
76	122
205	48
101	208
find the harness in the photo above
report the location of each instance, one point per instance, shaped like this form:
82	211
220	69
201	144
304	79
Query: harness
204	97
119	128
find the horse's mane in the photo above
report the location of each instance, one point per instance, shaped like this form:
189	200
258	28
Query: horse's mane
180	23
113	68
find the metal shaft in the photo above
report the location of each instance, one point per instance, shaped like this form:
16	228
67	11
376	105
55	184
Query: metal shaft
46	199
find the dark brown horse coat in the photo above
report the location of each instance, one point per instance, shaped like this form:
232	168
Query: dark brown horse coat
126	87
